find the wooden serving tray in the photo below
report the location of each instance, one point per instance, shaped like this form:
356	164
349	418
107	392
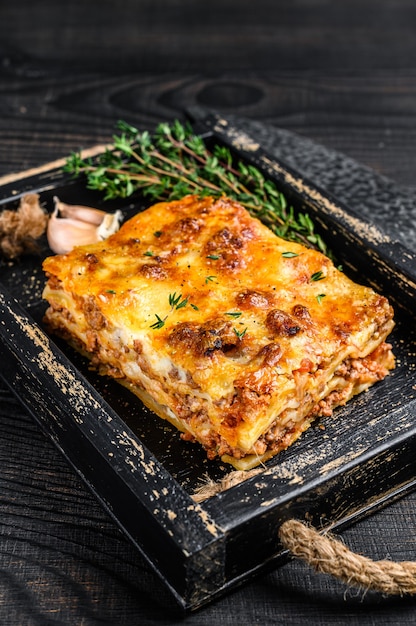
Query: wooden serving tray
137	466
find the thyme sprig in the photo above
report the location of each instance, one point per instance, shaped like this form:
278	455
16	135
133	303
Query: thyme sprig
176	301
174	161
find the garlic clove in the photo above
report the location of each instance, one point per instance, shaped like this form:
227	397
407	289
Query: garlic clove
64	234
79	212
66	229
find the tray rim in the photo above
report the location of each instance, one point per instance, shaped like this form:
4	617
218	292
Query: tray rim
216	518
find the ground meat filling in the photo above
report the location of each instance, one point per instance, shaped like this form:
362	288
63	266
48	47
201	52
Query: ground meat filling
227	247
93	315
204	339
151	270
277	438
281	324
253	299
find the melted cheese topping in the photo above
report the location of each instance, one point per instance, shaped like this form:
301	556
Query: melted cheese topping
217	324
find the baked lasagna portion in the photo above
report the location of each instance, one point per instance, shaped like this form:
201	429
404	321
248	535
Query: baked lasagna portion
237	337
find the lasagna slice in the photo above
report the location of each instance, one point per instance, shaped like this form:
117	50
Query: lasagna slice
237	337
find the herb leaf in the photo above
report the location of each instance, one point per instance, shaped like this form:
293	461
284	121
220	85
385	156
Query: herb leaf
159	322
176	301
317	276
182	303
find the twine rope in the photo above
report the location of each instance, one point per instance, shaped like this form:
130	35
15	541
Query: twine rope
328	555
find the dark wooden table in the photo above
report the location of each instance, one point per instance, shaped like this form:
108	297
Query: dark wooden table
341	74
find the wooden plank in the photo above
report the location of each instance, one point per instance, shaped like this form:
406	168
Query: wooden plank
46	168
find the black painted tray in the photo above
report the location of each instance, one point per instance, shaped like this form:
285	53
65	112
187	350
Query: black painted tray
145	475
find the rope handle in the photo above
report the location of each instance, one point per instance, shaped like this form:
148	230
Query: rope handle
326	554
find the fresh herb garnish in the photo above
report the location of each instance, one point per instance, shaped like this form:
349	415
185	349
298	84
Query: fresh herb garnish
173	162
159	322
214	257
240	333
176	301
289	255
320	297
209	279
148	253
236	314
317	276
182	303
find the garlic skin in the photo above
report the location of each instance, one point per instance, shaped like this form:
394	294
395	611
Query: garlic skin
78	212
76	225
109	225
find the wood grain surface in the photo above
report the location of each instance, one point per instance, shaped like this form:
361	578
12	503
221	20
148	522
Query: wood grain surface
342	74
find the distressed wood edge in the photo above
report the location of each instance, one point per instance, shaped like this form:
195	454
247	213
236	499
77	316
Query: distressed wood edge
51	165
